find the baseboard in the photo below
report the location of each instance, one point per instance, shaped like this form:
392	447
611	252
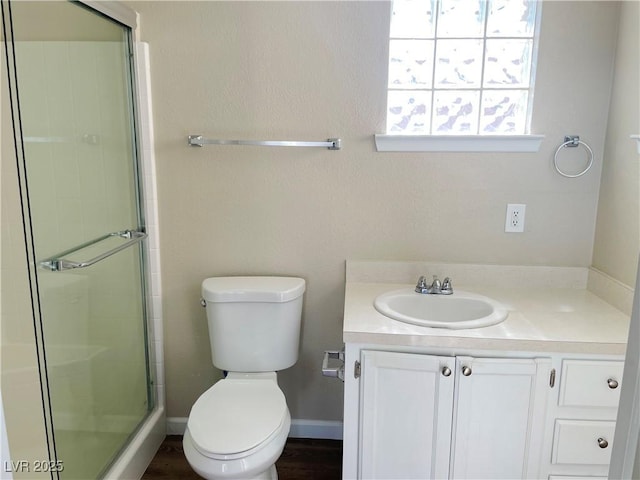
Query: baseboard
176	425
324	429
300	428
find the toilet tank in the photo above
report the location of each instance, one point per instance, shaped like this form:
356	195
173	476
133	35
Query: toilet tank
254	322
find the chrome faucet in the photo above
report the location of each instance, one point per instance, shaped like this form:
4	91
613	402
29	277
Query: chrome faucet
437	287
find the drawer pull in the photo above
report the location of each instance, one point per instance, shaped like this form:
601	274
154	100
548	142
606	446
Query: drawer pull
466	371
446	371
602	442
613	383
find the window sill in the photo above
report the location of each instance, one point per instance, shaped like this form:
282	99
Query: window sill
458	143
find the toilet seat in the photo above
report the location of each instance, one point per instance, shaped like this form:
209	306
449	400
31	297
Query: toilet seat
236	417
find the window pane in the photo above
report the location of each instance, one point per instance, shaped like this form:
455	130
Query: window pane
461	18
511	18
461	66
408	112
458	63
410	63
455	112
508	62
412	19
503	111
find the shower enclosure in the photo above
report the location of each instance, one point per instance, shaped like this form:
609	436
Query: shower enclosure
73	100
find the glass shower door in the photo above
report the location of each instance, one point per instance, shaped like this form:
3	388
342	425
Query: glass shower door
74	87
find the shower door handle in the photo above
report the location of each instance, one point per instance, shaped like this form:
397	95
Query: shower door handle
57	264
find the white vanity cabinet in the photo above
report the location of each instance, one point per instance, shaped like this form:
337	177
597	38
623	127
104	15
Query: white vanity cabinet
423	413
430	416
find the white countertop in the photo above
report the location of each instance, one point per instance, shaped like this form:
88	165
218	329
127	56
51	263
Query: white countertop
540	319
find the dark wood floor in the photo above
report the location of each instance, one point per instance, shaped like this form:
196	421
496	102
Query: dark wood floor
302	459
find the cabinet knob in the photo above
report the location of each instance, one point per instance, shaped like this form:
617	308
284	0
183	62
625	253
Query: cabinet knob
613	383
446	371
602	442
466	371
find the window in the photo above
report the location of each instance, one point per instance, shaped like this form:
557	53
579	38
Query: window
461	67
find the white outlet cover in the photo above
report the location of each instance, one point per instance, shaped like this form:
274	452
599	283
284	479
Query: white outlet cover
514	222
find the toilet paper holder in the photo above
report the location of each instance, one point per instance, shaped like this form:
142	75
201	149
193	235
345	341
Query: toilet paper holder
336	371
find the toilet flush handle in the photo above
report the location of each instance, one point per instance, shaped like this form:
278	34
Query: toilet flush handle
203	302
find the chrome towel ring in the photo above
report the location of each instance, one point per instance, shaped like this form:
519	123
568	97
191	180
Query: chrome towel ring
573	141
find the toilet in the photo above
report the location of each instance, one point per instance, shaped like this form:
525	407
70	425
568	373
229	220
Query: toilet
237	428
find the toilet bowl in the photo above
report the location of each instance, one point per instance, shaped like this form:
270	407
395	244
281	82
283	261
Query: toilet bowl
238	428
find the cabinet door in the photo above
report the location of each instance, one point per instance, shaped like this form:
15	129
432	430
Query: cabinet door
499	417
406	412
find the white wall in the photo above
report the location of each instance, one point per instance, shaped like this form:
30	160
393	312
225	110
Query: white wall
314	70
617	239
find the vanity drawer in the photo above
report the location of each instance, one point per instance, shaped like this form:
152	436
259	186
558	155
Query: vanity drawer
582	442
587	383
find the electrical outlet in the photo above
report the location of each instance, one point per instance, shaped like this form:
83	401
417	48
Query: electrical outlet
515	218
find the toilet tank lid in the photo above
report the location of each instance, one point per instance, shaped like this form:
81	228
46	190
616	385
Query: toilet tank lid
252	289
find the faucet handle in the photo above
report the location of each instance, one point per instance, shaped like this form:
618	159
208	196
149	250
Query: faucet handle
447	288
421	286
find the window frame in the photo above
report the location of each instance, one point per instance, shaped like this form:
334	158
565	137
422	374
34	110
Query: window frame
477	142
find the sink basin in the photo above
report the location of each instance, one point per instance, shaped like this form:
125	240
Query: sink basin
459	310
